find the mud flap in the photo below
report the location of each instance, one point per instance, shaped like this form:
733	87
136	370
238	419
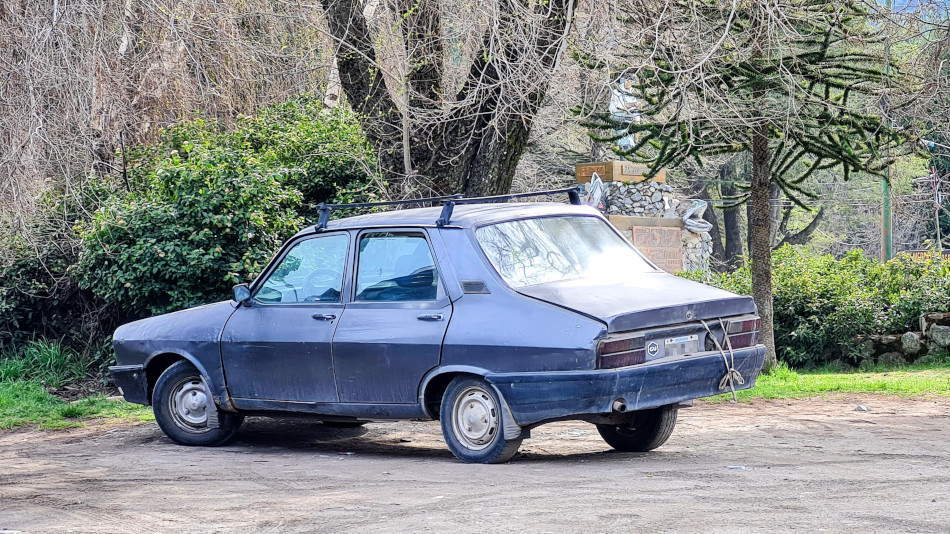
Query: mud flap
213	421
512	429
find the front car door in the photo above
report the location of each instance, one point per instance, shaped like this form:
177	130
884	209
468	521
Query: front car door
391	332
279	347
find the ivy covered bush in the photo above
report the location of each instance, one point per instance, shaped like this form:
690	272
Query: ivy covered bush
209	208
202	208
821	302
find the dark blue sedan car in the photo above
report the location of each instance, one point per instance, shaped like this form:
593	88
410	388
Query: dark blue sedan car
492	318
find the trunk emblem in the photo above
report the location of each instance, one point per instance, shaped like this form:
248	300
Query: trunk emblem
653	348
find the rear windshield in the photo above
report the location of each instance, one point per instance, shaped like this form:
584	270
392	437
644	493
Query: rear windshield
550	249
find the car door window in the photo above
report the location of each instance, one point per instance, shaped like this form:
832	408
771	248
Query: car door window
395	267
312	271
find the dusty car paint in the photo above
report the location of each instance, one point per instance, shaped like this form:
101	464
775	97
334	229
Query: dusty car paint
536	345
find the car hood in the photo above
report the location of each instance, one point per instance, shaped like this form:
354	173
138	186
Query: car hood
644	300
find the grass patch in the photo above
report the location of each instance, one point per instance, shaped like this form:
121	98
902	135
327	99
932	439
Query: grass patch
28	403
48	362
786	383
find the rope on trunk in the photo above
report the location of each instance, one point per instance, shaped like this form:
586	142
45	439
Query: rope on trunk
732	376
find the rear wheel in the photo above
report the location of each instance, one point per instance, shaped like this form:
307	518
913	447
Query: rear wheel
644	431
182	404
472	424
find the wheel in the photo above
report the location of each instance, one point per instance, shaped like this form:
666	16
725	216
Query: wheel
343	424
472	424
181	403
644	431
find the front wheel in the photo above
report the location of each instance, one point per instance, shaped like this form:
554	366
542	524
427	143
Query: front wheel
472	422
181	403
644	431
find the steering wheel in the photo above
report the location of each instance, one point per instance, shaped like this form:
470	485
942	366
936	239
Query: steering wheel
319	280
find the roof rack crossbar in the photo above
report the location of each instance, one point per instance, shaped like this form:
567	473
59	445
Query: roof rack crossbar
448	203
325	209
573	194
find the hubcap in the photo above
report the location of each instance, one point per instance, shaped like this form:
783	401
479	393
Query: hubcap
475	418
188	405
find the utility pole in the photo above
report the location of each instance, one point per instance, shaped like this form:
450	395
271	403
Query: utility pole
887	237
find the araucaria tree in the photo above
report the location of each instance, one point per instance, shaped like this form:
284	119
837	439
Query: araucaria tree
447	91
800	84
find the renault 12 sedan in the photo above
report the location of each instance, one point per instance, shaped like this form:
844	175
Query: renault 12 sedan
492	318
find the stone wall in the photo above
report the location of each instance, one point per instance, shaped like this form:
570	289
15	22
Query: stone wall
637	199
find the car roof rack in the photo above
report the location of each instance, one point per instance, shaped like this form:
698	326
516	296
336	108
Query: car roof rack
448	203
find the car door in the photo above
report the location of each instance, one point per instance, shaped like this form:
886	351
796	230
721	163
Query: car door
279	346
391	331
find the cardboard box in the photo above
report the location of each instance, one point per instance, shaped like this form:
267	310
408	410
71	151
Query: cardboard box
616	171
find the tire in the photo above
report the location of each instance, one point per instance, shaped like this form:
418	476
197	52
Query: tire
645	430
471	400
343	424
181	405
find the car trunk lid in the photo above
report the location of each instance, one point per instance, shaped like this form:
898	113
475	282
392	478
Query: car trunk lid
644	300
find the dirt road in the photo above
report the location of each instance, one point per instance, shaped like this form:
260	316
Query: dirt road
814	465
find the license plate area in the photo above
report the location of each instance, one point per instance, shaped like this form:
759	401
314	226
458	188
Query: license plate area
681	345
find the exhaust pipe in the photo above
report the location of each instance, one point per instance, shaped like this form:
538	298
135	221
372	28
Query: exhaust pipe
620	405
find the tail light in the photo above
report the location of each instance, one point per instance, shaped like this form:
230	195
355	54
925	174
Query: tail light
743	332
613	353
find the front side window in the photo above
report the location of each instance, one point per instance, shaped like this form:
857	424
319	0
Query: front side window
551	249
395	267
312	271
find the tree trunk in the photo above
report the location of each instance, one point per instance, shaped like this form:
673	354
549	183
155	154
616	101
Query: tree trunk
760	239
468	144
730	217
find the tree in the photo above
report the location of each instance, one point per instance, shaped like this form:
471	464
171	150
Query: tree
448	138
797	83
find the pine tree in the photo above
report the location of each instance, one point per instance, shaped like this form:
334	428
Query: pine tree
801	84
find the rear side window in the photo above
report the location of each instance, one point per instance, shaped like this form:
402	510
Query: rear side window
395	266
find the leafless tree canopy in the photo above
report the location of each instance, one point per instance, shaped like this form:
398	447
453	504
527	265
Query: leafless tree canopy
79	77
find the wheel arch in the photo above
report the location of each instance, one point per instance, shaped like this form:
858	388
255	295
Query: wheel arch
435	383
157	363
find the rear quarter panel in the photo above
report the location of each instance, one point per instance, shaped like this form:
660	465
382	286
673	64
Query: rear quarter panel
504	331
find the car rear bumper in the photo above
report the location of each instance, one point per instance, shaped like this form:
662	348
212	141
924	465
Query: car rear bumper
132	382
536	397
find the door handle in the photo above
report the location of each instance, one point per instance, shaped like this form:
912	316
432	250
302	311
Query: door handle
324	316
430	317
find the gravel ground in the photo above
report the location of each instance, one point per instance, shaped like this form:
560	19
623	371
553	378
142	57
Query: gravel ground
809	465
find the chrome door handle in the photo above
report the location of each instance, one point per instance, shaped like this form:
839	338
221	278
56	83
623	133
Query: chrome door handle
430	317
324	316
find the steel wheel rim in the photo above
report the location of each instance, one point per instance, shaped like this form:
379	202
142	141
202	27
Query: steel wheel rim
188	405
475	418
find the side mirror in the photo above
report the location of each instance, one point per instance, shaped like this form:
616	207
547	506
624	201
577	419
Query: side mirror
242	293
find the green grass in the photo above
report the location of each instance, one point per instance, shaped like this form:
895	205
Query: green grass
28	403
48	362
785	383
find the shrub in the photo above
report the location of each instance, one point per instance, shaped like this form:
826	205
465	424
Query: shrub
821	303
209	207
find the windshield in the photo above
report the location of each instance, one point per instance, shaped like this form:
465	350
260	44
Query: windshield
550	249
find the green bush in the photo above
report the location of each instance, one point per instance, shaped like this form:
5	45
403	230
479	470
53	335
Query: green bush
821	303
206	206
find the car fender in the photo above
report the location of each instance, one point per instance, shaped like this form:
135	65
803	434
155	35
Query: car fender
512	429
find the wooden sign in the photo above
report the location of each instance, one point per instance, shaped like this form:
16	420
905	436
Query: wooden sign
616	171
659	239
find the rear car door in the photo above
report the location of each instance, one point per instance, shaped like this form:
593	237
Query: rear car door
279	347
391	332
